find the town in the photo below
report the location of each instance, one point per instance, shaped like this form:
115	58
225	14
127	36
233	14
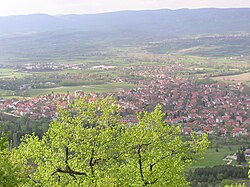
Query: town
214	108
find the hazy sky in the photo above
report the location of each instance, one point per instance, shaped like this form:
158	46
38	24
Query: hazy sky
17	7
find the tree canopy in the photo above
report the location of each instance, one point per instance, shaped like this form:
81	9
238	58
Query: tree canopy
89	145
10	172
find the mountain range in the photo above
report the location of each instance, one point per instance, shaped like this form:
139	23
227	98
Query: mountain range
147	23
41	37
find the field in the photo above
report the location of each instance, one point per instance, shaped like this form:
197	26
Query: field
213	158
244	77
112	87
11	73
20	83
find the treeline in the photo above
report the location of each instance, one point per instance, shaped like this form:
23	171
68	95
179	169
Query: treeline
82	82
213	176
50	80
24	125
217	142
227	73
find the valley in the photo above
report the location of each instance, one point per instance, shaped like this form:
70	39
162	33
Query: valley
195	68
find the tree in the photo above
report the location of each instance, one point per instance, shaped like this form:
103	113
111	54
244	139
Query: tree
240	157
10	172
88	145
236	185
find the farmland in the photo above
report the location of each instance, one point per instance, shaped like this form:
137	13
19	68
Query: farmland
112	87
215	157
244	77
121	71
11	73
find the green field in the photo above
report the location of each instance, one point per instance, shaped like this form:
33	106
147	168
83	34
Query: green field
213	158
112	87
5	92
11	73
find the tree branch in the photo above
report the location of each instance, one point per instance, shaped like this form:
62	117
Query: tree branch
33	180
140	166
68	170
91	163
162	158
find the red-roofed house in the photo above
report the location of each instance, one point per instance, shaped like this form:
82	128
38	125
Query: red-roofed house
238	132
187	130
223	132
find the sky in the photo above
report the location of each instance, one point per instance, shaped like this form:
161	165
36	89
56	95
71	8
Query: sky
58	7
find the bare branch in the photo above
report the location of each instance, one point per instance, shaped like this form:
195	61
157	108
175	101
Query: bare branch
68	170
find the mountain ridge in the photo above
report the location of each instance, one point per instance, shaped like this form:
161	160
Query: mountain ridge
43	37
163	22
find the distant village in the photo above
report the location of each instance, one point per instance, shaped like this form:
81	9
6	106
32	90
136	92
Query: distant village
212	108
57	67
205	108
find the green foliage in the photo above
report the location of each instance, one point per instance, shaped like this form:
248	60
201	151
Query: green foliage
88	145
24	125
217	175
10	172
249	171
236	185
240	157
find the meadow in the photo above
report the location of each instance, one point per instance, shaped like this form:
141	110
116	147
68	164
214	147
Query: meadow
111	87
244	77
12	73
213	158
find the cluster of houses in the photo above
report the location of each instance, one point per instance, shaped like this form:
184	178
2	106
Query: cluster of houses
49	67
36	108
205	108
58	67
210	108
42	106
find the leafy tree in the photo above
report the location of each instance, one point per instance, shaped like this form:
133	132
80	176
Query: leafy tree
22	126
236	185
88	145
217	174
10	172
240	157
